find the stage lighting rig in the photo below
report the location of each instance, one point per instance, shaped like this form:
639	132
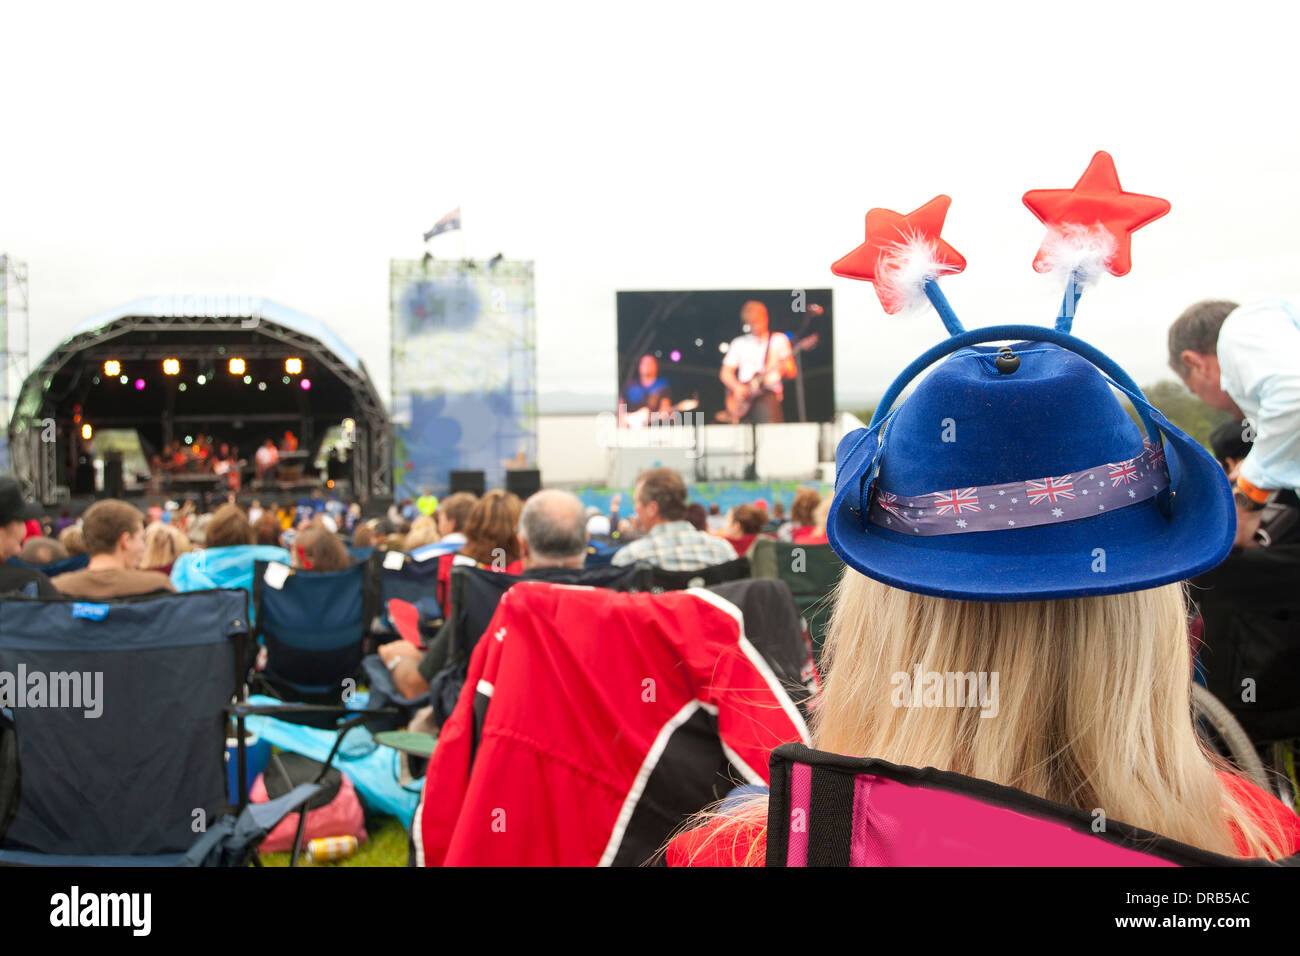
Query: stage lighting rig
112	368
171	366
236	366
293	366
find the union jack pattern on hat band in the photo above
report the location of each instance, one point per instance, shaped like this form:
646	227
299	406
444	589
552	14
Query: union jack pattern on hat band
1025	504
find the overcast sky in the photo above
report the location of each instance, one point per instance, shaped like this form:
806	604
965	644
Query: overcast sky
290	151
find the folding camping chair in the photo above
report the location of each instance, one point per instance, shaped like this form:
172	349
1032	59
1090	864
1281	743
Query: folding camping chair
829	810
123	761
716	680
406	577
660	580
313	625
811	570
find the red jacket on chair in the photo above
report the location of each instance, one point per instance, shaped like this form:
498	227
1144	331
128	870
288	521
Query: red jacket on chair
593	723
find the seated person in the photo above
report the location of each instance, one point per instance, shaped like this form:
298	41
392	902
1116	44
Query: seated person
14	514
163	544
744	525
670	541
803	524
228	559
317	548
73	541
552	534
452	515
41	550
114	532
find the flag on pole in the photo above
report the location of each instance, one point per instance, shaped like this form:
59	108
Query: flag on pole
445	224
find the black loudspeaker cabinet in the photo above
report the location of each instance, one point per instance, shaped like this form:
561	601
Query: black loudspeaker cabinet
524	481
471	481
83	477
113	486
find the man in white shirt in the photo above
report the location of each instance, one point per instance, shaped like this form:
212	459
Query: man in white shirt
754	368
1245	360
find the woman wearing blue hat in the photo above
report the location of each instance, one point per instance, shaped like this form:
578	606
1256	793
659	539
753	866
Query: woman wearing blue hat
1008	523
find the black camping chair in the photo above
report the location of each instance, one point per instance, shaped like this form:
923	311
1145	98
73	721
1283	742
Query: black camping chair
660	580
313	626
124	759
811	570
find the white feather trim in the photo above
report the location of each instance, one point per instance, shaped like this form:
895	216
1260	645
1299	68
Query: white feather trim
905	268
1075	249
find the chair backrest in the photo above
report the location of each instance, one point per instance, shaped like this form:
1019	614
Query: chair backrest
360	554
811	570
414	581
62	566
476	592
118	713
661	580
829	810
313	626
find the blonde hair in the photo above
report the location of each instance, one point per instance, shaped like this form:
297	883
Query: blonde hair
1094	708
163	544
424	530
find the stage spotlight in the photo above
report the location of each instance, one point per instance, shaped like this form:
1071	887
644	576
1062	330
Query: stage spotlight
171	366
121	378
202	380
293	366
675	355
306	384
139	384
87	431
261	386
248	380
189	439
182	386
285	379
112	368
236	366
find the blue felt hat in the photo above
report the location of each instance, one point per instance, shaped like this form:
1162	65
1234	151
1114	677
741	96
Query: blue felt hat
1016	474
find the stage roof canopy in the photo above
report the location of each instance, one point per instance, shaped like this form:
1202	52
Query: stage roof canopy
223	306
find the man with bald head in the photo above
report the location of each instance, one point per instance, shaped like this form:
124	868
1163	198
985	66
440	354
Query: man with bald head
553	531
552	534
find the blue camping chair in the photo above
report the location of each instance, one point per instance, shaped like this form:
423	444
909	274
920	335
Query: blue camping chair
416	582
125	759
74	563
313	627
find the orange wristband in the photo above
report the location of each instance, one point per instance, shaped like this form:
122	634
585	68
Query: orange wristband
1258	495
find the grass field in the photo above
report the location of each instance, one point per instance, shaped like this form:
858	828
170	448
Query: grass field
386	847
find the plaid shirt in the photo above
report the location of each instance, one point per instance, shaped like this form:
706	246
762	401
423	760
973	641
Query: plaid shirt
676	546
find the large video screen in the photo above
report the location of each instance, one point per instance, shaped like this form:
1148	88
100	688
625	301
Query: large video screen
725	357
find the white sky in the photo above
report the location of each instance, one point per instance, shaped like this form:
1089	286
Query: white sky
290	151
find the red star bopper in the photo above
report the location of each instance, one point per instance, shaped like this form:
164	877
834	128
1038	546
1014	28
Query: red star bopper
903	256
1089	229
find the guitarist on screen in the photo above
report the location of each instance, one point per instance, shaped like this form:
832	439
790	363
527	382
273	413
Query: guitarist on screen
754	370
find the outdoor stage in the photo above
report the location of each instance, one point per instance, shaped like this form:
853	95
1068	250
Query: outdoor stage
139	400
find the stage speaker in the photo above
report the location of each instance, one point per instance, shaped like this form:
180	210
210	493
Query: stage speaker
524	481
83	477
113	486
471	481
